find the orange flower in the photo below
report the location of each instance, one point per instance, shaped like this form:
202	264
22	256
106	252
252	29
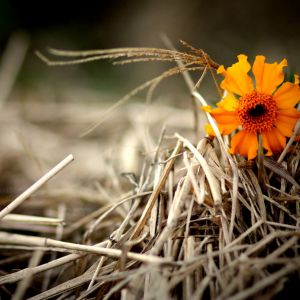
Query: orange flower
264	106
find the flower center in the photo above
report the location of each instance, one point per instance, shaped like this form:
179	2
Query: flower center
257	112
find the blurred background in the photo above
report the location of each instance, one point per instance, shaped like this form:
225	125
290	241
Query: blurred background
44	110
222	28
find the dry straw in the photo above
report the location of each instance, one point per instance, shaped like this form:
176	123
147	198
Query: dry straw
199	224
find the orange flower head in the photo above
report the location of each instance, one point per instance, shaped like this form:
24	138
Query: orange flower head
264	106
257	112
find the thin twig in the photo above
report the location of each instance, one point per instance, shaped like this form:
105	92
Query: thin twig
38	184
16	239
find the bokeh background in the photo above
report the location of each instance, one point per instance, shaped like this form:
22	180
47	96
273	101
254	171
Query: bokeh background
222	28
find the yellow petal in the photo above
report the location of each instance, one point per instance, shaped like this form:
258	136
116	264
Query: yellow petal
245	143
266	145
287	96
227	128
286	121
207	108
268	76
284	127
296	79
224	129
229	103
227	121
221	70
209	130
236	79
223	116
273	141
290	112
251	144
236	141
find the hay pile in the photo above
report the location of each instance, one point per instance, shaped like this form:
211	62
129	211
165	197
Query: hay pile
191	222
194	225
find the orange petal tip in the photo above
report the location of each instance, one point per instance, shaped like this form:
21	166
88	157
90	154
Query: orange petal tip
207	108
209	130
284	63
221	70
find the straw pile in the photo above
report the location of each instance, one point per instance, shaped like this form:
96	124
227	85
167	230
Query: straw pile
195	223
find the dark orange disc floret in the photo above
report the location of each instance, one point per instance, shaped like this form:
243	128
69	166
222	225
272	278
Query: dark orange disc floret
257	112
